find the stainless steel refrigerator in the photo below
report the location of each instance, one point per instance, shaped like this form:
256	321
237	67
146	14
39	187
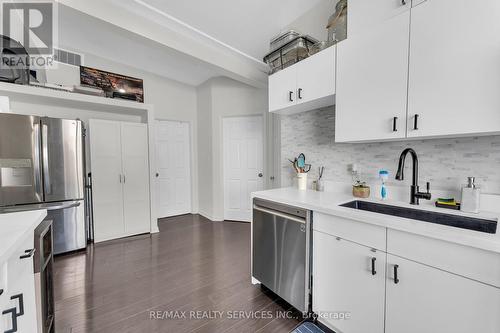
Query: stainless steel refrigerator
42	166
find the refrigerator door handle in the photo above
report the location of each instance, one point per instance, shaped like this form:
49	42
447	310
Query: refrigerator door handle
45	157
36	163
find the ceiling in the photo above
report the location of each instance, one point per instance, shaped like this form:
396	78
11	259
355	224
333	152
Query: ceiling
245	25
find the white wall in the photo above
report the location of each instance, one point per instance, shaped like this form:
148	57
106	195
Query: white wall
172	100
314	21
219	98
205	167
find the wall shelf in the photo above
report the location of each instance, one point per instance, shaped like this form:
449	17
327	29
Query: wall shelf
45	96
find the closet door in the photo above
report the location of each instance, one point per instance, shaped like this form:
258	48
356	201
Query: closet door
106	166
135	161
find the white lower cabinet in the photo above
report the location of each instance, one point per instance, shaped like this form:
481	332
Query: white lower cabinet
307	85
430	300
348	285
428	293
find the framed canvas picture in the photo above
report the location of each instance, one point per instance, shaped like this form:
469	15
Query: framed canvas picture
114	85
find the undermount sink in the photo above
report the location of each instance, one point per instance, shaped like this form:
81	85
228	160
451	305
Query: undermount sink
457	221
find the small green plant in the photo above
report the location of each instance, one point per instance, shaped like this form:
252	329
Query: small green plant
360	184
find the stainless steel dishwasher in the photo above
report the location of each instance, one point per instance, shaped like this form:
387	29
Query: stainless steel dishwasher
281	241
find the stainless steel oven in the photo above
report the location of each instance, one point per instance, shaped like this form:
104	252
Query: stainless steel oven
281	250
44	284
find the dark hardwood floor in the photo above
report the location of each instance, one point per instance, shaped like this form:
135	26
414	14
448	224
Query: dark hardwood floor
130	285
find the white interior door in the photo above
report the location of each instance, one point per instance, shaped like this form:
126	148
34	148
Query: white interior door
243	165
107	190
135	165
173	149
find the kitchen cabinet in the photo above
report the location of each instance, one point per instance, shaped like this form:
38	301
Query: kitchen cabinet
427	299
17	301
365	15
454	68
120	178
421	284
421	78
348	280
372	75
307	85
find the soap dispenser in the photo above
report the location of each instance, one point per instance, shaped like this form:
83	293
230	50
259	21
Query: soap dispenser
470	196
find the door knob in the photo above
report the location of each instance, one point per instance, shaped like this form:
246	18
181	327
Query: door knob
157	175
260	175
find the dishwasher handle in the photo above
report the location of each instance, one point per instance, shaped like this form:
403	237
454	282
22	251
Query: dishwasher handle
279	214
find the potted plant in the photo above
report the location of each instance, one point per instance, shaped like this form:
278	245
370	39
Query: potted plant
360	189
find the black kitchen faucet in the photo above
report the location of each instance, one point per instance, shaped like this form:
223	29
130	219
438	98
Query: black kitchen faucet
415	195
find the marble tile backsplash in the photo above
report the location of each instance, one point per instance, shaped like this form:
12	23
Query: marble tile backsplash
446	163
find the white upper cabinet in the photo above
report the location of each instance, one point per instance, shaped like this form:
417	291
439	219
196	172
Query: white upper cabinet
372	73
435	75
316	77
454	68
307	85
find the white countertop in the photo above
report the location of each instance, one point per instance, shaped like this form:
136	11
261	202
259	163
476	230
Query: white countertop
328	203
15	227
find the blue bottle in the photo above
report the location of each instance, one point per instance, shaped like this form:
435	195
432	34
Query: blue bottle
384	176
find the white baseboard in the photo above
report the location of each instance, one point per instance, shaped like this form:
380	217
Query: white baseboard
210	217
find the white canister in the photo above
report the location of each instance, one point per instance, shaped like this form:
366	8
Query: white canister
302	181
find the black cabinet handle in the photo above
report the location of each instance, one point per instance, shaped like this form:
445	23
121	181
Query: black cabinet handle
395	124
13	315
300	93
290	94
374	271
20	299
415	122
403	2
396	279
27	254
1	292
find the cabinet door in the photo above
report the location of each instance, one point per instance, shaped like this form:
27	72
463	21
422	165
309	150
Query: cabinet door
106	166
372	78
282	89
430	300
19	293
343	283
363	15
454	68
135	159
316	76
